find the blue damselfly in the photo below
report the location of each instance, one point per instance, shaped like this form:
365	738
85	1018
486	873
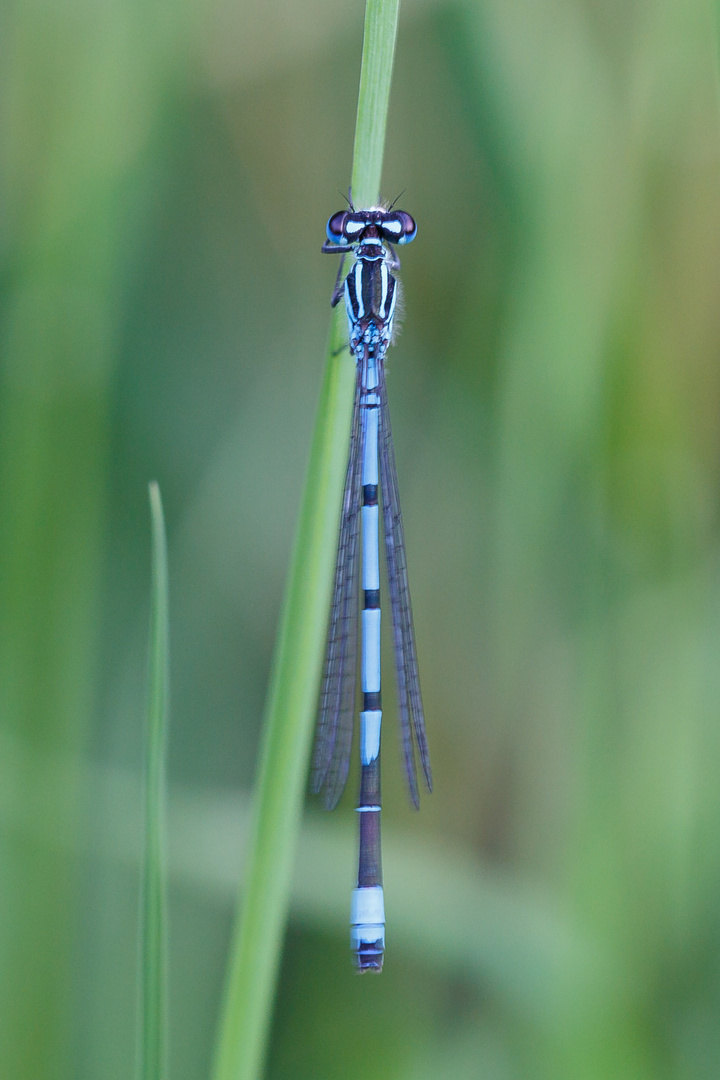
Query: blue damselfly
370	292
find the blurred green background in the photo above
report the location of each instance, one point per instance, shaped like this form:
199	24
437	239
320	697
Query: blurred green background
167	171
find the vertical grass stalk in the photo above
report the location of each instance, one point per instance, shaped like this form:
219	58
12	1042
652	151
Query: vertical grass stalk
153	914
292	699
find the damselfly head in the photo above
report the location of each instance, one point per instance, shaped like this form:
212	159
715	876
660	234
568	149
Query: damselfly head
360	226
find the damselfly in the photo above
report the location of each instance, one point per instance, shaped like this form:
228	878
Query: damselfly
370	292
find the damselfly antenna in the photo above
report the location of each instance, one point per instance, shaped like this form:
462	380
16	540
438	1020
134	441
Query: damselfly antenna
347	198
396	201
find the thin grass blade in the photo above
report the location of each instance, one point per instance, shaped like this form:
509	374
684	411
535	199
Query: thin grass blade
153	905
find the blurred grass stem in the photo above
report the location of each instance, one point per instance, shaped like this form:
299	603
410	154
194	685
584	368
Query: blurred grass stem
153	919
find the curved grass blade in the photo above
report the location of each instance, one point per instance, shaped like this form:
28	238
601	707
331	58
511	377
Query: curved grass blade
297	663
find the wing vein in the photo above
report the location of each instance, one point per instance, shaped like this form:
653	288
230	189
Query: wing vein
333	737
412	717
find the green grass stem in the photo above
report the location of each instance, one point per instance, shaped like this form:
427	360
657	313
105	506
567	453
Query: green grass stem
381	20
153	917
292	699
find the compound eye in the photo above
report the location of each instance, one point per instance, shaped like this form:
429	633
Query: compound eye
335	226
408	227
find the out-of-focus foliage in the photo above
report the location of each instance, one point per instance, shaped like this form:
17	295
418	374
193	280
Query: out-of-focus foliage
167	170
